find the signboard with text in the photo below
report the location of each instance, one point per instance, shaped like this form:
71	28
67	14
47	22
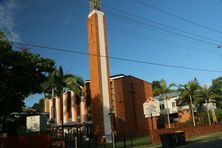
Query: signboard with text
36	123
151	108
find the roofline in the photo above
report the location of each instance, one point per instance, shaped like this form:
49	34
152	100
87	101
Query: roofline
113	77
118	76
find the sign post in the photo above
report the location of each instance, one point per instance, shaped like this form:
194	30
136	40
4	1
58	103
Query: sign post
151	109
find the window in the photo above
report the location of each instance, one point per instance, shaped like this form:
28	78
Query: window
161	106
173	104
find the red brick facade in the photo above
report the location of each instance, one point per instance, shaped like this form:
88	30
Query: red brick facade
95	73
129	94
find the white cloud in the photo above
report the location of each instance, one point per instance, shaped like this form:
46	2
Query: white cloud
8	9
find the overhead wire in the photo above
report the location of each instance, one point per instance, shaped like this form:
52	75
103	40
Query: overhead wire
151	26
165	42
171	32
137	35
119	58
129	33
158	23
143	36
178	17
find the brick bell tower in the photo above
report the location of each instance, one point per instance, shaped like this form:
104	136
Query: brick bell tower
99	72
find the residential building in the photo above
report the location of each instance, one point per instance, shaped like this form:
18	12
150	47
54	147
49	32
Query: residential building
168	102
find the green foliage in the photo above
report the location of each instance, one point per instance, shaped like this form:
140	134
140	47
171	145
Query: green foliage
219	113
74	83
189	91
39	107
204	117
21	74
217	88
161	87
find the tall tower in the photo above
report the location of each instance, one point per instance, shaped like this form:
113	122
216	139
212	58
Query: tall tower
99	71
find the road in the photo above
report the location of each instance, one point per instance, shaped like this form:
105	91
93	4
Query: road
215	143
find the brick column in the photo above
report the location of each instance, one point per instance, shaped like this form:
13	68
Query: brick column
65	107
58	110
99	74
73	107
83	109
46	105
50	108
154	123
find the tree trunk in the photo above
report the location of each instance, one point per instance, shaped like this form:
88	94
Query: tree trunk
208	115
192	112
168	116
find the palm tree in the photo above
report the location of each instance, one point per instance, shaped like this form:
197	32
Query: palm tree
74	83
49	86
59	86
64	82
161	87
189	91
207	94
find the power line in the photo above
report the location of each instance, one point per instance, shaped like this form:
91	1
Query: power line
137	34
153	38
158	23
169	31
151	26
178	17
119	58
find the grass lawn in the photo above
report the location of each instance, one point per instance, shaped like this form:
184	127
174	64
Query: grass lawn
136	141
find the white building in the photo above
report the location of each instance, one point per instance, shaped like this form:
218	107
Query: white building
168	101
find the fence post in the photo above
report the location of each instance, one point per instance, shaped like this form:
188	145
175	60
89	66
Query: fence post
113	139
131	141
124	140
76	144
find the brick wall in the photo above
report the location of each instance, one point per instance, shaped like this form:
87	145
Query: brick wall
189	131
130	93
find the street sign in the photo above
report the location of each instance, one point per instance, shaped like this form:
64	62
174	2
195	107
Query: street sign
151	108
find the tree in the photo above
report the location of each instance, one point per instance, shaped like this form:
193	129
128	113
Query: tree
74	83
63	82
161	87
188	91
217	89
39	107
21	74
48	88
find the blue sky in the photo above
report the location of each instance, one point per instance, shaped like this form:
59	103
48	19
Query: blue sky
63	24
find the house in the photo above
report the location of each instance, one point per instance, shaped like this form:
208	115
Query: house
168	104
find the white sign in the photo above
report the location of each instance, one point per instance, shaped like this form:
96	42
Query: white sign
36	123
151	108
33	123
